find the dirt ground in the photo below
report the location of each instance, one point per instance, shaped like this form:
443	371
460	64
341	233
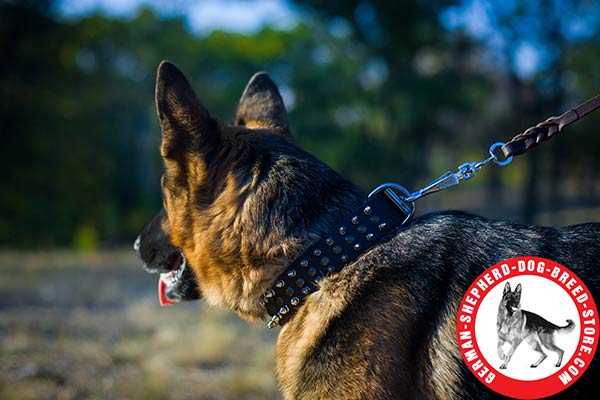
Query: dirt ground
88	326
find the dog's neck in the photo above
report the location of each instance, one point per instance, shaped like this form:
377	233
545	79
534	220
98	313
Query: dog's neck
511	310
340	246
505	310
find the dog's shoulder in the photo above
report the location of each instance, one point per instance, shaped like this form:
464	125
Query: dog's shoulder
439	255
467	235
433	237
417	273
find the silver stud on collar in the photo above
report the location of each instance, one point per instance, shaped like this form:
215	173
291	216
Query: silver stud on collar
274	321
304	276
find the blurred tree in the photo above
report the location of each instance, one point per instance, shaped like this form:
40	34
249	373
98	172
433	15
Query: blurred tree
438	84
78	125
531	46
412	84
379	90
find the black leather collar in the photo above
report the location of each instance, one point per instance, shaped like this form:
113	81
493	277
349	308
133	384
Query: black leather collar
352	236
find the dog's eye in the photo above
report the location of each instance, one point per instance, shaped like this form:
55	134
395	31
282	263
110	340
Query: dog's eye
166	184
163	183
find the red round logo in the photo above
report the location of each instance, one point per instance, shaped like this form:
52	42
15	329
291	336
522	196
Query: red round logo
527	327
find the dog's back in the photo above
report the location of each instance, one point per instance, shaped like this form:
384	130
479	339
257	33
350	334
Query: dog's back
384	328
539	324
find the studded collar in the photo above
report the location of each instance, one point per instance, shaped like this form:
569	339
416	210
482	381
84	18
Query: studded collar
353	235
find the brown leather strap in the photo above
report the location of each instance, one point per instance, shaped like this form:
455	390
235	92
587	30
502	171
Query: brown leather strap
545	130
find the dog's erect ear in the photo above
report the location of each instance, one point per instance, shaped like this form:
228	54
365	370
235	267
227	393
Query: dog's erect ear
506	288
261	105
518	292
184	121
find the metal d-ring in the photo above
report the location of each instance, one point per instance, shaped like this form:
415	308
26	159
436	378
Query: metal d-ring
400	201
495	158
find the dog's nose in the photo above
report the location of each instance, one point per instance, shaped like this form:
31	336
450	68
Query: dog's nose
136	244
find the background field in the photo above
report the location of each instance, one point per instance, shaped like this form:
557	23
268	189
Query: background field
88	326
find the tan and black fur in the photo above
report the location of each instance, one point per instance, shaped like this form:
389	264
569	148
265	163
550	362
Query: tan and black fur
516	325
242	201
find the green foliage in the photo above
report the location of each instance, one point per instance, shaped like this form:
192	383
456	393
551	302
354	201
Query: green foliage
79	133
379	90
85	238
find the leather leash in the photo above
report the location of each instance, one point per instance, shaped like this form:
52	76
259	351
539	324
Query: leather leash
547	129
389	206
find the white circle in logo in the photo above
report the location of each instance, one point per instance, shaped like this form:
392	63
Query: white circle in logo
544	298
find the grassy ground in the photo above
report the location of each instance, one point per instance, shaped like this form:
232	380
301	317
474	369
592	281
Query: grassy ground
88	326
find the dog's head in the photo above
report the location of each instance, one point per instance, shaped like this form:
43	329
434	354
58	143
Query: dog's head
511	300
177	281
240	200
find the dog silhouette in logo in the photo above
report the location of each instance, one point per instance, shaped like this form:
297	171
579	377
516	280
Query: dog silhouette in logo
515	325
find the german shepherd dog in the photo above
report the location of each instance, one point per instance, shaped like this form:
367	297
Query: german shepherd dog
242	200
515	325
